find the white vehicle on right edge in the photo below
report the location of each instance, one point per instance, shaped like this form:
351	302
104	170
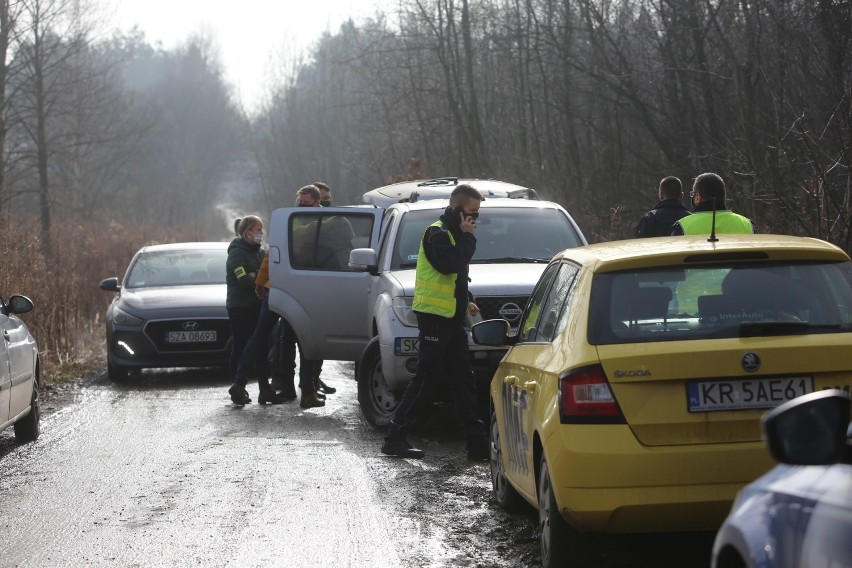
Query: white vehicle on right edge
347	288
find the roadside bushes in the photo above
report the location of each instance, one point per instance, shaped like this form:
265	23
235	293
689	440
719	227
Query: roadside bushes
63	283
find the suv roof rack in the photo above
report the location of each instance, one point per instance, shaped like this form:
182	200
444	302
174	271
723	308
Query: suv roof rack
439	181
413	191
525	193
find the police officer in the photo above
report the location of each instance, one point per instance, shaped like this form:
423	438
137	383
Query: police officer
708	195
441	302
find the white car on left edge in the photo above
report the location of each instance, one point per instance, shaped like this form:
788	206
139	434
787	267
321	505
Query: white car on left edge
19	371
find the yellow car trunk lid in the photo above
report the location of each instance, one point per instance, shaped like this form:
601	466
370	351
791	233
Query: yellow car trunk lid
712	391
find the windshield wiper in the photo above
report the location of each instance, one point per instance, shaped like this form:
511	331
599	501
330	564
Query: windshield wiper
751	328
509	260
405	265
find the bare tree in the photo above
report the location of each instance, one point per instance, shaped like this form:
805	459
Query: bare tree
593	101
6	26
9	11
42	62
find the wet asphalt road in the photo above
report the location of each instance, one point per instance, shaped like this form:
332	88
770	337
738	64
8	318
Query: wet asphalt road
164	471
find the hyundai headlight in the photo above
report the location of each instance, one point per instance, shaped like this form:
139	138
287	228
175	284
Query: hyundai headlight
403	312
121	317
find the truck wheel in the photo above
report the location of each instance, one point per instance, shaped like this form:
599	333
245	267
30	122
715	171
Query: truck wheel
377	401
27	428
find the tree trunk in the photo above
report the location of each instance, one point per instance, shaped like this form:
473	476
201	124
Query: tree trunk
5	33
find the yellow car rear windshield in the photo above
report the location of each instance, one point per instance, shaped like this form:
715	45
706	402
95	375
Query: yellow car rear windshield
721	300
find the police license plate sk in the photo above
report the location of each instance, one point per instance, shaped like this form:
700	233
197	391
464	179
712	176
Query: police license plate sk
406	345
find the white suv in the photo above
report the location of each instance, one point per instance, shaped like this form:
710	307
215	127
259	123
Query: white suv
344	277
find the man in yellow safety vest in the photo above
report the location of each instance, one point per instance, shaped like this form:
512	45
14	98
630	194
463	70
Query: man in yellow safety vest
710	213
441	303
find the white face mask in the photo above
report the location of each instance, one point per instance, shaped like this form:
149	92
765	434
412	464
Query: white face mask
258	237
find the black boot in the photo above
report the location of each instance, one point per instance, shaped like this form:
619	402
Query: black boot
396	446
267	395
285	388
311	400
319	385
239	394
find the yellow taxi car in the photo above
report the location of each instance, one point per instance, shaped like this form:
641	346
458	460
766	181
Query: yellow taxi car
630	398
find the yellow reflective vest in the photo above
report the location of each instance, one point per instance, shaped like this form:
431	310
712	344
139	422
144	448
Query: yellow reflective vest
727	222
434	292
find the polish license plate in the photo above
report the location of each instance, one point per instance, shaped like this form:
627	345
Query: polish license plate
206	336
406	345
745	394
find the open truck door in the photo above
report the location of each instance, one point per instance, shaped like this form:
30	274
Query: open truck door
311	283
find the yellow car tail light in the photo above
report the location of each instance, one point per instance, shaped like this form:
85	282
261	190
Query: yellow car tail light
585	398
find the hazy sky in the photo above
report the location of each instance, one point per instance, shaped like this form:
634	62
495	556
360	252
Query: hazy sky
250	33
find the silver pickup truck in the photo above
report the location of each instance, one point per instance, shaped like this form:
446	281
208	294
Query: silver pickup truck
344	276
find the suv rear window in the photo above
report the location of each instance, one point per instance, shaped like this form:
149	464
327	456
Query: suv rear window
503	235
734	300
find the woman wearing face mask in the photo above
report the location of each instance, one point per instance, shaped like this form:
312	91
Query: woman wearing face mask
253	362
244	258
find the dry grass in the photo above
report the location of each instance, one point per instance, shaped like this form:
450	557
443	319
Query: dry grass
63	283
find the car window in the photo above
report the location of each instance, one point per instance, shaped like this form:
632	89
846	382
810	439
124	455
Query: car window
387	224
177	268
503	234
528	329
553	304
563	293
324	241
700	302
411	229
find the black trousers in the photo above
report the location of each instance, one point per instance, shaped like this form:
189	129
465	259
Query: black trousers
443	361
282	360
282	354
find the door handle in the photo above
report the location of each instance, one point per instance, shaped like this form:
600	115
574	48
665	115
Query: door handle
530	386
510	380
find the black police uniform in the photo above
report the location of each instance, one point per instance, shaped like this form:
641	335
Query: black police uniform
443	345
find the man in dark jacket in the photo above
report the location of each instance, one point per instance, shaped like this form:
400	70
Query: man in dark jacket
658	221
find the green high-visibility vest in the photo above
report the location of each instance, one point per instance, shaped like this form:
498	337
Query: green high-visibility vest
434	292
727	222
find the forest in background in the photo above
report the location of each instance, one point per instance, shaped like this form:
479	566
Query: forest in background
109	143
